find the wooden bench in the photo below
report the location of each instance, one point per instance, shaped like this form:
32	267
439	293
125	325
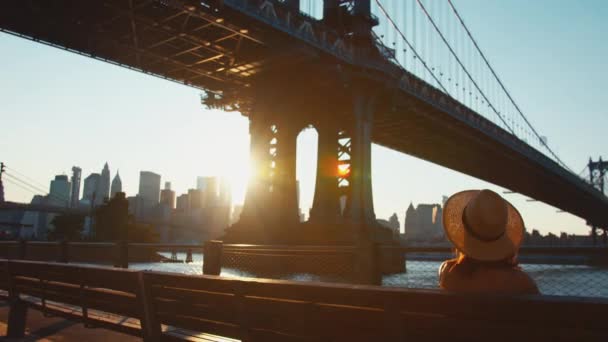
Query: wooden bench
179	307
97	296
271	310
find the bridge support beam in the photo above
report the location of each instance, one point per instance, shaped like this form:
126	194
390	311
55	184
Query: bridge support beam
295	4
326	201
271	205
359	204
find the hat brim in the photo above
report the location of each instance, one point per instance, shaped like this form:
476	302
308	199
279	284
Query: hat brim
504	247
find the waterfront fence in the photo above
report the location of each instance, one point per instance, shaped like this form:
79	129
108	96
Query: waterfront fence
562	271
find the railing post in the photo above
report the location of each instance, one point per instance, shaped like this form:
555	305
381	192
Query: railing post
62	247
150	326
122	260
17	315
22	249
189	256
212	257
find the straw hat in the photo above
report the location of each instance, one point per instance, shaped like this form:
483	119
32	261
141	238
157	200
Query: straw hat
482	225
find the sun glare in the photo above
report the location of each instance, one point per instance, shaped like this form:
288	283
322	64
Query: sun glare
343	170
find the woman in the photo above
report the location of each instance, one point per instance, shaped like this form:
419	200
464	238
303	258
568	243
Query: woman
487	231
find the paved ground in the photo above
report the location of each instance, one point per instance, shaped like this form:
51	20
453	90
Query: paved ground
40	328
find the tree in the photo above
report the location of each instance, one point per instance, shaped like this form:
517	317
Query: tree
113	223
66	226
111	219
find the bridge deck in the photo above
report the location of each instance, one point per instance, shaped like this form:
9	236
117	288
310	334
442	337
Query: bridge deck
228	50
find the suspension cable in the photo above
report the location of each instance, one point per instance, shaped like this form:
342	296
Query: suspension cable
410	46
504	88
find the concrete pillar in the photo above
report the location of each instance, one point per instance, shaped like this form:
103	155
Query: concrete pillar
271	201
212	253
285	191
367	268
326	201
360	204
257	196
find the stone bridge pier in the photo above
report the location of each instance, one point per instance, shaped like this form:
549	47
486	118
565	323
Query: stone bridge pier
343	209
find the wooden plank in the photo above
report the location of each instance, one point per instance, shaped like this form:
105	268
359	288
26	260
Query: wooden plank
199	324
116	279
188	296
202	283
221	314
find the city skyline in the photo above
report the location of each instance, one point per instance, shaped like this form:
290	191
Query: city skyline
87	93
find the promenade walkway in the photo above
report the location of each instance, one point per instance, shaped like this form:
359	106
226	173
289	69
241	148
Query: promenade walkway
41	328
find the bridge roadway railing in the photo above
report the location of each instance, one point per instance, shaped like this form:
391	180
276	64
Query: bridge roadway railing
165	306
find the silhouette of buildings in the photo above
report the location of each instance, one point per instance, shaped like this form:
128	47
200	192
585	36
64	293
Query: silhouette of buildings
116	185
393	224
149	189
167	196
91	186
104	184
423	224
183	202
75	193
59	192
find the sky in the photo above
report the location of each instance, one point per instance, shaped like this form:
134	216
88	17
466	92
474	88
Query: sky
59	109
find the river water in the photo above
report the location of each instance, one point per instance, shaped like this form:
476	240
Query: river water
563	280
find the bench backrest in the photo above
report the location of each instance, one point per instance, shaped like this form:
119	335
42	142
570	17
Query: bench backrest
271	309
111	290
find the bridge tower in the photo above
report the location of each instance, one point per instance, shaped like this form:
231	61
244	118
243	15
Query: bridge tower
343	209
597	176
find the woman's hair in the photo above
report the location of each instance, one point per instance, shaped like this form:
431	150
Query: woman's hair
467	265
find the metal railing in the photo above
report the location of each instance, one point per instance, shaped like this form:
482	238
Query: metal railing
561	271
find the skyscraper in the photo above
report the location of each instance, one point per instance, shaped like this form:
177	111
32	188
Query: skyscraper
225	193
90	189
183	203
149	188
202	182
59	193
104	183
116	185
167	196
75	194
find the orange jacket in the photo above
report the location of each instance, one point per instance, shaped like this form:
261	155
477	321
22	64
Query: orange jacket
486	279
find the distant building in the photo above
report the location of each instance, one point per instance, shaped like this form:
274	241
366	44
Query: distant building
202	183
90	189
225	193
149	188
59	193
195	199
35	224
167	196
183	202
116	185
104	184
136	206
392	223
424	223
75	193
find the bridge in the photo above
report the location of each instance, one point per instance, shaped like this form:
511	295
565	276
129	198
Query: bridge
286	70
